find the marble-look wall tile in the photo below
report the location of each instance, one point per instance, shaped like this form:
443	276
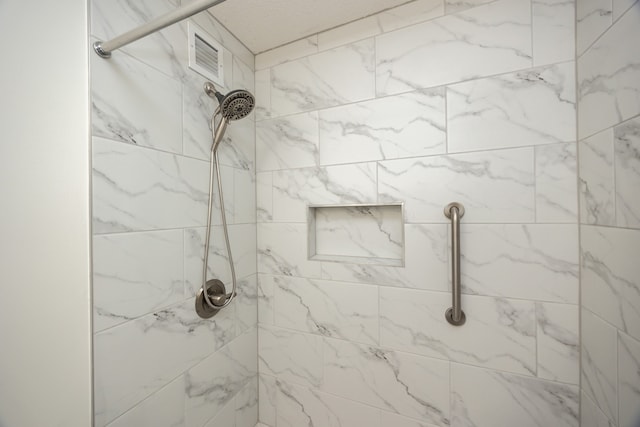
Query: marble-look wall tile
556	183
593	19
553	31
247	304
135	274
407	125
628	380
453	6
525	108
493	186
244	248
414	321
264	196
591	415
141	189
492	39
300	406
287	142
295	189
609	77
216	380
226	417
266	296
332	309
426	262
316	82
627	170
348	33
267	399
597	179
528	402
290	356
197	110
374	234
410	13
289	52
164	50
247	404
163	408
620	7
263	94
599	363
611	276
282	250
558	342
388	380
127	368
134	103
543	258
238	146
244	197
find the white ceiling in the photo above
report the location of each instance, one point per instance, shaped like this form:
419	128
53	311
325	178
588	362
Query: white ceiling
264	24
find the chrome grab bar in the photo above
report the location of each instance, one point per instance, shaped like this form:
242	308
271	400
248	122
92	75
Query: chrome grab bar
454	315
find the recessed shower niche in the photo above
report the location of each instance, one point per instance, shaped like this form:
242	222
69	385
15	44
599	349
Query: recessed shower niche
357	234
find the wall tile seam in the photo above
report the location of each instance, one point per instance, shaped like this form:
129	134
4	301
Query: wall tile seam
444	222
597	408
614	227
160	309
409	289
582	139
417	158
603	320
613	24
421	89
185	228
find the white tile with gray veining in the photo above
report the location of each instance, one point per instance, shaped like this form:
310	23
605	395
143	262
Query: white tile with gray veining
197	110
332	309
136	189
627	169
164	50
238	146
372	233
525	108
264	196
409	13
611	276
294	189
216	380
453	6
134	103
135	274
403	383
599	376
491	39
247	404
499	333
177	333
523	401
493	186
163	408
246	304
593	18
591	415
266	295
558	342
263	94
225	417
316	82
244	197
407	125
287	142
556	179
628	380
597	180
289	52
300	406
426	262
609	77
528	261
282	250
553	31
267	399
290	356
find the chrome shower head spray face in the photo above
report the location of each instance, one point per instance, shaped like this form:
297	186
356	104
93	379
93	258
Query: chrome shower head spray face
235	105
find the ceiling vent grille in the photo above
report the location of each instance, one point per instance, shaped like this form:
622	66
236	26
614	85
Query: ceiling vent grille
205	55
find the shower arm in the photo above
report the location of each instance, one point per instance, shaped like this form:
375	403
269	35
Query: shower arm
104	48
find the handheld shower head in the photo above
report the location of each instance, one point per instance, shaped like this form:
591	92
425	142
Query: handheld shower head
235	105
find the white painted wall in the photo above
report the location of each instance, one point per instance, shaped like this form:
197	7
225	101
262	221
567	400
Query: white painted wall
45	323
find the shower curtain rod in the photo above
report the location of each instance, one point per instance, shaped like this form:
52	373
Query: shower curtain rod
104	49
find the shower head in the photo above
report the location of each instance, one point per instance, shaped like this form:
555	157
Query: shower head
235	105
